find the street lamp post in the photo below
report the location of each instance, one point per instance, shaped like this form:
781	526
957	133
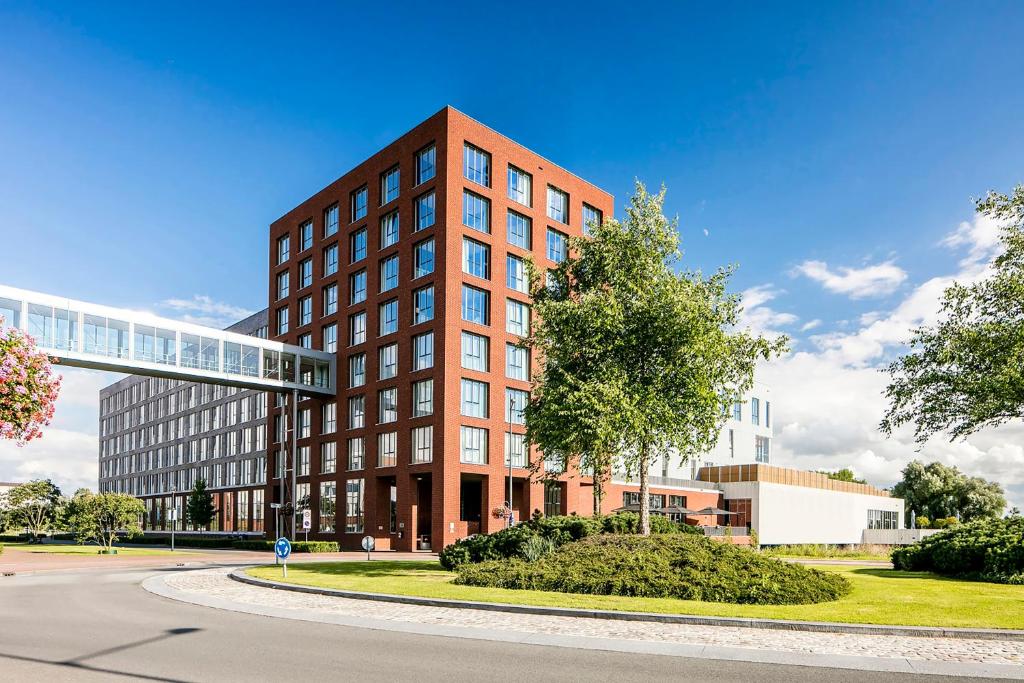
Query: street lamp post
511	410
174	513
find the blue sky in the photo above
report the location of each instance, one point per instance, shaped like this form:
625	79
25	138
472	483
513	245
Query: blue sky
828	149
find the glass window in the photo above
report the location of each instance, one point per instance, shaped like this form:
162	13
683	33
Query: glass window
356	453
305	273
356	412
283	249
304	419
423	351
331	260
387	449
515	405
357	328
476	258
473	445
387	366
356	370
755	411
558	246
357	245
387	405
306	235
474	351
306	340
737	410
475	305
359	204
354	506
476	165
768	414
474	398
520	186
282	320
519	230
388	312
389	230
552	498
357	287
328	497
761	448
591	217
330	221
389	185
330	335
389	273
425	164
515	269
424	211
422	444
329	418
423	257
423	305
517	317
476	212
517	362
282	285
305	310
515	448
423	398
330	299
558	205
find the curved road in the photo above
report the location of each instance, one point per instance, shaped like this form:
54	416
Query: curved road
101	625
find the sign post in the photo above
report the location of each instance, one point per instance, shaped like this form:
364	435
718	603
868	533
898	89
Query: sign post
367	546
276	507
174	524
307	522
282	549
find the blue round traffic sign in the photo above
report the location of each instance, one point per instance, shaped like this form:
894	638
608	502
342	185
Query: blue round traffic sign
283	548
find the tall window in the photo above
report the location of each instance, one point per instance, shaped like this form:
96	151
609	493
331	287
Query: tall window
476	165
387	367
389	273
424	211
591	218
356	453
768	414
356	412
387	405
474	305
552	498
284	248
515	405
331	260
328	457
515	448
517	362
520	186
329	418
423	351
558	246
423	398
389	230
330	221
330	338
426	164
356	370
476	211
737	411
388	314
558	205
515	270
422	444
476	258
306	235
305	273
474	351
519	230
282	320
328	501
423	258
387	449
755	411
330	299
357	287
357	245
517	317
305	310
357	328
354	506
283	288
423	305
359	204
389	185
473	445
762	446
474	398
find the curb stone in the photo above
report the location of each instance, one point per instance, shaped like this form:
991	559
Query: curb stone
770	624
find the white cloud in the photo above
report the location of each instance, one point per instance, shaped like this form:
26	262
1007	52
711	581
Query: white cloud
857	283
203	310
810	325
981	237
760	318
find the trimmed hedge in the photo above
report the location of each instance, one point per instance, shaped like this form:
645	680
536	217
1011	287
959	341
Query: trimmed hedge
559	530
179	541
986	550
297	546
683	566
14	538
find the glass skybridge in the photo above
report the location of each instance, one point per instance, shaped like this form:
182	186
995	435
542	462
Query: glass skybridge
87	335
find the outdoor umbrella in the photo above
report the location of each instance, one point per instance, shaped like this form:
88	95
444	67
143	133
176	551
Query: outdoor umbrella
635	507
714	511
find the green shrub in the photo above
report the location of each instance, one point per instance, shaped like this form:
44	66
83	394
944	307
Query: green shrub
989	550
537	547
922	522
179	541
297	546
1	548
684	566
14	538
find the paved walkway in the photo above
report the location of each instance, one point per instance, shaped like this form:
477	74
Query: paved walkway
998	658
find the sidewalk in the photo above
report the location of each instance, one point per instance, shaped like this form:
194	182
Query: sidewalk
994	658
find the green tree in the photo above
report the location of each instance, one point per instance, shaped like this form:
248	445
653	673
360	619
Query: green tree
99	517
637	360
965	372
845	474
34	505
937	491
200	509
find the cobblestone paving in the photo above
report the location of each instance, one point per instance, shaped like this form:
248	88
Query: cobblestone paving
215	582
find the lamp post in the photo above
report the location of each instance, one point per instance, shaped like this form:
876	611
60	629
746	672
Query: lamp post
174	513
511	414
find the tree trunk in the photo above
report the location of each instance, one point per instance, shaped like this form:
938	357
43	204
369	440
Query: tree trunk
598	490
645	498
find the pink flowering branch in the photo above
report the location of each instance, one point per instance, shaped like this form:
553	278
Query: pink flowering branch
28	387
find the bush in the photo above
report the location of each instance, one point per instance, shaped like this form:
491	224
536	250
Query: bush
179	541
537	547
14	538
989	550
683	566
297	546
922	522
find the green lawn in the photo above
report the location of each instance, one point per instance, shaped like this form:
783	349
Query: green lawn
61	549
879	596
831	552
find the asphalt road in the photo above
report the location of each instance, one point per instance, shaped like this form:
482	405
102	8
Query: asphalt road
92	626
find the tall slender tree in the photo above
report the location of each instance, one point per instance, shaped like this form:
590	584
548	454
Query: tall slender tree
637	360
200	509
